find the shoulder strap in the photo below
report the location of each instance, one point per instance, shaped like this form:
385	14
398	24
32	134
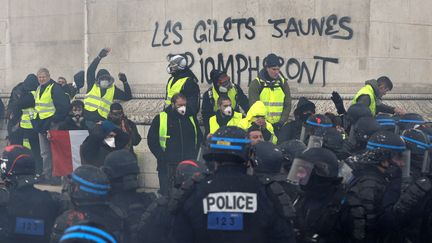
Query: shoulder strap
180	195
283	199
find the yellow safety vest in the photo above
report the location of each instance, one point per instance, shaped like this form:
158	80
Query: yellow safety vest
26	143
174	89
94	101
367	90
44	105
273	99
232	94
27	116
234	121
163	129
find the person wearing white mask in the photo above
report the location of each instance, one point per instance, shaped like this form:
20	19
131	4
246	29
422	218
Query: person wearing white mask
104	138
222	85
173	136
225	115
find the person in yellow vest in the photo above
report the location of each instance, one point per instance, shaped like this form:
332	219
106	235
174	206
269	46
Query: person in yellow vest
101	91
222	85
51	108
225	115
184	81
272	88
173	137
370	96
257	116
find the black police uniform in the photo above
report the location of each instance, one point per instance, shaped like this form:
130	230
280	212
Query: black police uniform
228	206
27	213
88	189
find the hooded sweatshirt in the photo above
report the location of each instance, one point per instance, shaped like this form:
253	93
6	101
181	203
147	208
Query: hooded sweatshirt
258	109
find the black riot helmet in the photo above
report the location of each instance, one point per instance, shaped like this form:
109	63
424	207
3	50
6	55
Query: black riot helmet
416	141
267	158
289	150
17	161
318	161
410	120
121	167
315	125
354	113
88	185
386	121
384	145
363	129
87	232
228	144
186	169
333	141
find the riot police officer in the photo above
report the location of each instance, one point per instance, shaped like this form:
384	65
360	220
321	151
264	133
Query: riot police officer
409	120
28	212
87	231
376	185
229	206
319	208
360	133
122	169
88	188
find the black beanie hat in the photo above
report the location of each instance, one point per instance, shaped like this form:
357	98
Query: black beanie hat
272	60
102	72
116	106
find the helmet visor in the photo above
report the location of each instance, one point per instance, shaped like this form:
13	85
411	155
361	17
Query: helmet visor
315	142
300	172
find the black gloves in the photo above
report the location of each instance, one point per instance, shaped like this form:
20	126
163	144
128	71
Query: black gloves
104	52
122	77
413	194
337	100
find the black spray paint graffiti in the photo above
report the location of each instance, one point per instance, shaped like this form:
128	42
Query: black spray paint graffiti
241	67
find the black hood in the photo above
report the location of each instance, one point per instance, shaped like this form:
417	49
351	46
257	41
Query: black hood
185	73
214	77
102	72
304	105
374	85
31	82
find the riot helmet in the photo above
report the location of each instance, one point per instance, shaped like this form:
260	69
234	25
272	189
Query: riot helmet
354	113
409	120
289	150
386	121
17	161
267	158
420	146
87	232
315	125
319	162
228	144
333	141
362	130
186	169
176	63
121	167
88	184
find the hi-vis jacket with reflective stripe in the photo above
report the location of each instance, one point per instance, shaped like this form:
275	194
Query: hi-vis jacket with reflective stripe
234	121
367	90
163	129
94	101
27	116
44	104
175	88
273	98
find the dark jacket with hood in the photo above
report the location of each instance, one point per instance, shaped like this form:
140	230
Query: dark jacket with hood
255	89
380	107
181	144
21	98
61	103
190	90
208	103
94	150
292	129
92	79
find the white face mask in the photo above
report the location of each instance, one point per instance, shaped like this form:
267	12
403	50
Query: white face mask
227	111
103	84
181	110
223	89
110	142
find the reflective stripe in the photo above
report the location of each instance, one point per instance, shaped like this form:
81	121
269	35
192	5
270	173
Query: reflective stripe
274	113
273	103
47	111
163	129
94	101
44	105
25	121
175	88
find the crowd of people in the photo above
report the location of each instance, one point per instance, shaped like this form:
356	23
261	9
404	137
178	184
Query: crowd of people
362	174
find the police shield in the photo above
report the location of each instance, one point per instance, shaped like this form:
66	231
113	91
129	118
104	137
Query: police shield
426	166
300	172
303	134
406	168
315	142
